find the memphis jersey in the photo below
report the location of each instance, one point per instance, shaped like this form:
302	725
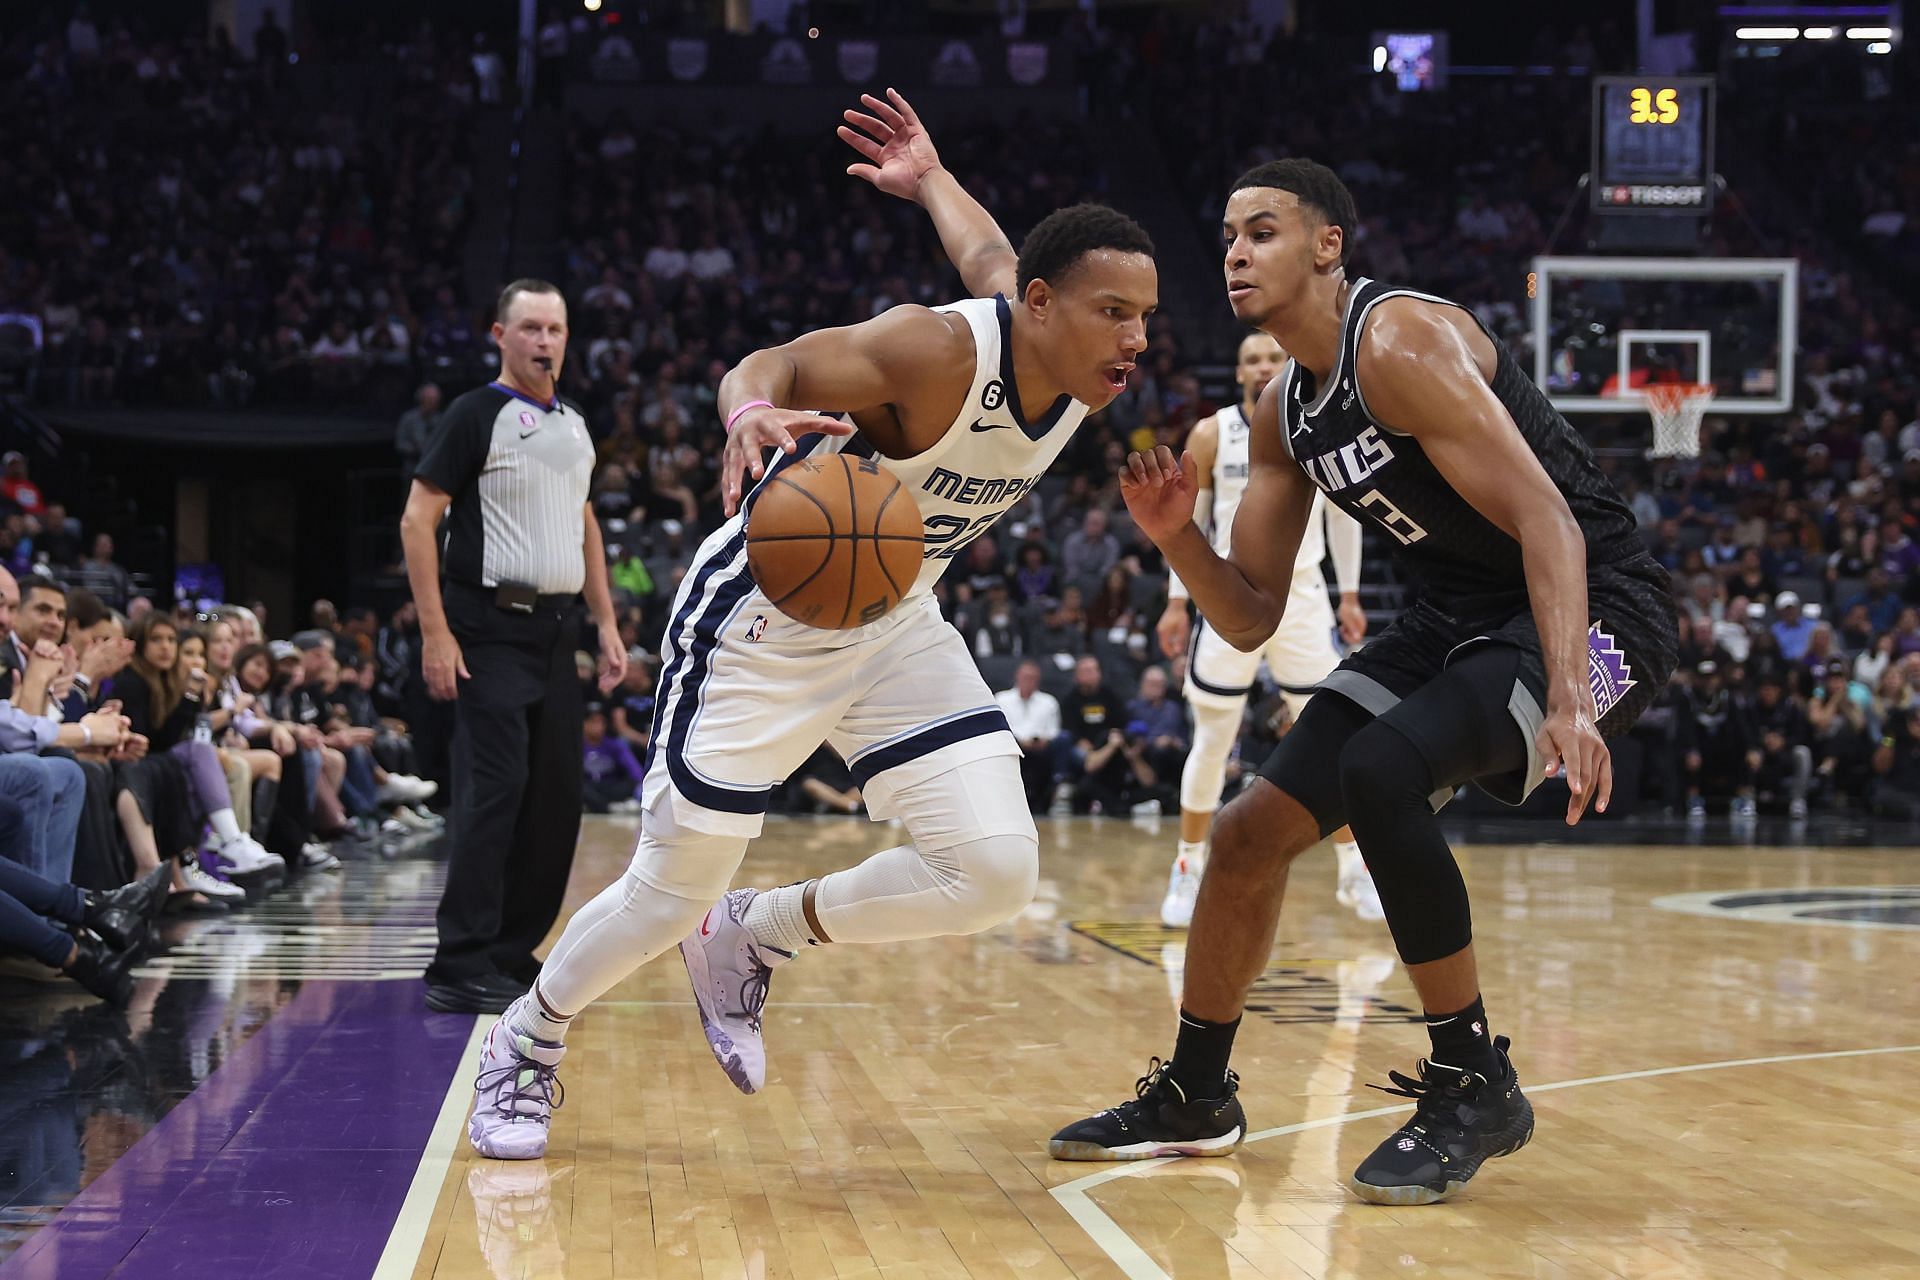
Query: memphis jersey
1454	556
988	460
1231	463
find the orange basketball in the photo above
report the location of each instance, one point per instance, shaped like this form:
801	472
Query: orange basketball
834	542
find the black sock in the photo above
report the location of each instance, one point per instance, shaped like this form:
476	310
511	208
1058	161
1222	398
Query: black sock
1462	1040
1200	1056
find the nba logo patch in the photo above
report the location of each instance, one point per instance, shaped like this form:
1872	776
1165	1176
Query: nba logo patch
756	628
527	419
1608	674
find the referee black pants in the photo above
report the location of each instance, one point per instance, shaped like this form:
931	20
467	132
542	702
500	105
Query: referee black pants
515	816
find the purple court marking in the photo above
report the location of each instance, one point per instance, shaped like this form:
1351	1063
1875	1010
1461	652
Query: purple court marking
291	1160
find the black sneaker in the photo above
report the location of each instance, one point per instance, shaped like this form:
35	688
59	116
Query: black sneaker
1160	1121
1461	1119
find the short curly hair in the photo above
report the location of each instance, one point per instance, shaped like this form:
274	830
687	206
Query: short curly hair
1317	186
1059	240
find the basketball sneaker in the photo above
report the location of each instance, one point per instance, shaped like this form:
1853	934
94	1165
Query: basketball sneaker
730	971
1357	894
1460	1120
514	1094
1160	1121
1183	889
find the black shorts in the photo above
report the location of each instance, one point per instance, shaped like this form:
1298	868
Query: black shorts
1632	643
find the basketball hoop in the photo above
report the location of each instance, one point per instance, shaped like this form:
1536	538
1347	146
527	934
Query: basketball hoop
1676	409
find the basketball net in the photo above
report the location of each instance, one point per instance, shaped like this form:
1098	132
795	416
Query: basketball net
1676	409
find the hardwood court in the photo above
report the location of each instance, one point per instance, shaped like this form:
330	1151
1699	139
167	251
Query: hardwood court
1689	1124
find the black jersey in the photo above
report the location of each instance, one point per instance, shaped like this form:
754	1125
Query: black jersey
1455	556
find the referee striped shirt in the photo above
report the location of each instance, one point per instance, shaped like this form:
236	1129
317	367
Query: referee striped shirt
518	471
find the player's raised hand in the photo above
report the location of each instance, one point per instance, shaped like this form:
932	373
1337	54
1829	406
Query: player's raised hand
1158	491
1174	629
894	140
757	430
1571	743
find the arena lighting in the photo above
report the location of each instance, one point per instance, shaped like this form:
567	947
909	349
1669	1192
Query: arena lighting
1880	46
1379	58
1818	33
1767	33
593	6
1869	33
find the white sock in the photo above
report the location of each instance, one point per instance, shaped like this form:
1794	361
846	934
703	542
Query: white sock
1347	854
224	825
1193	855
777	919
529	1017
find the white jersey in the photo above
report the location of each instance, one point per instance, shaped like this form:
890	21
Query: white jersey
1230	464
988	460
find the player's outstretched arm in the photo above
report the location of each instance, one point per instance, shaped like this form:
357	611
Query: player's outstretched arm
906	355
1243	595
903	162
1422	378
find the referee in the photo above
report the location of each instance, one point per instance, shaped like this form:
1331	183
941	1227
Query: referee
512	462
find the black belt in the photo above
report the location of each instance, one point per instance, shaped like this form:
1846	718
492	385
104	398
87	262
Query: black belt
514	599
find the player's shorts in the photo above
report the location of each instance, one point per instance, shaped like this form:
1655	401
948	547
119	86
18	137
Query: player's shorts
746	695
1632	644
1299	654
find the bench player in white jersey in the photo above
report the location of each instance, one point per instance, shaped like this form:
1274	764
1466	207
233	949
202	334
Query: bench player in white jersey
967	404
1299	654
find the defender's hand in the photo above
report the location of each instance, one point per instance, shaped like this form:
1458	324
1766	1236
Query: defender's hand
1353	620
1159	492
1571	743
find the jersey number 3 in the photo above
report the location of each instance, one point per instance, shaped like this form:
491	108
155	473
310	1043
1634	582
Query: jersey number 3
1391	518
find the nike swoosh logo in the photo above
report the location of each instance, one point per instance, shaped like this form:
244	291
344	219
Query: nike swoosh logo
525	434
984	425
706	924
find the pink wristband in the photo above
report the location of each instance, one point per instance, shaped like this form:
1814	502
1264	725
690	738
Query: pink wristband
751	404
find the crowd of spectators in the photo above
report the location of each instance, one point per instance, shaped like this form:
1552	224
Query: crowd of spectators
176	759
184	223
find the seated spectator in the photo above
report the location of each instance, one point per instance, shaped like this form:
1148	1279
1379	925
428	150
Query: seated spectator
1838	727
1785	771
1034	716
611	777
104	931
1792	628
1062	629
992	626
1896	765
1101	759
1090	551
1723	749
1112	609
633	701
1035	579
1165	721
165	702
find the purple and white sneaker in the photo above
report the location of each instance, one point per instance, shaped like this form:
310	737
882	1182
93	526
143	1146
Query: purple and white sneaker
515	1094
730	973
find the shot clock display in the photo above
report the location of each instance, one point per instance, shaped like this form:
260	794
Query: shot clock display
1652	144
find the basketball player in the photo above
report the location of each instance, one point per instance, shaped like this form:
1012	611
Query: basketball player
1540	626
1299	654
967	404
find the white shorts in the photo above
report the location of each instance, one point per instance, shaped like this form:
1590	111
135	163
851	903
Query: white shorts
747	694
1299	655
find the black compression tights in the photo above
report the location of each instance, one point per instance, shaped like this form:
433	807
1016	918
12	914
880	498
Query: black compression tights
1455	728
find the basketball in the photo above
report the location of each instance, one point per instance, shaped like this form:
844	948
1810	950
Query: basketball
834	542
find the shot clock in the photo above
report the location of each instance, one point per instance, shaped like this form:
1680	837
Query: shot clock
1652	144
